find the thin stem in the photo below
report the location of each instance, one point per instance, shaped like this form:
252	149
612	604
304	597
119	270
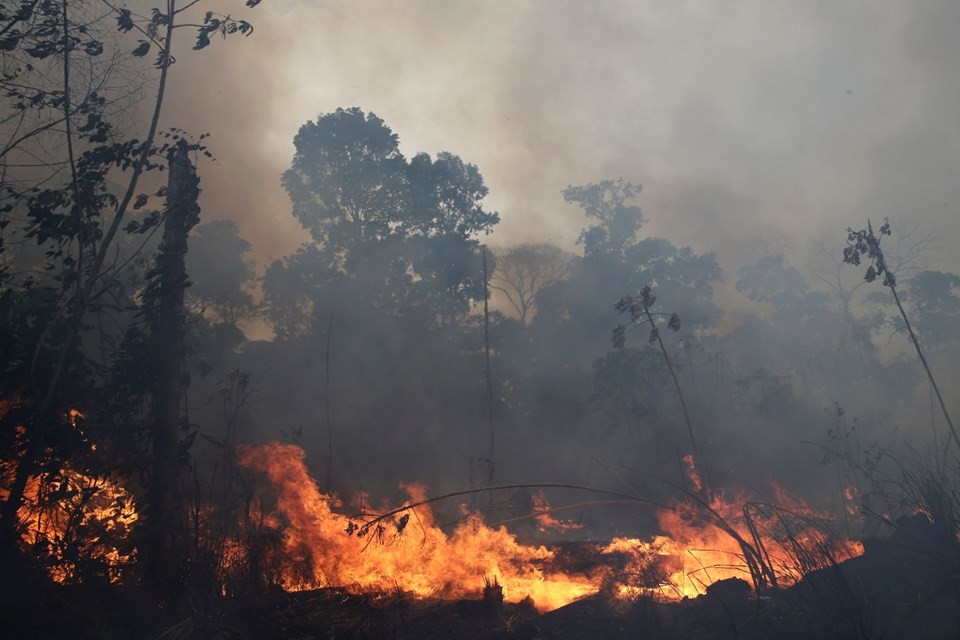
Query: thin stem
70	155
327	393
926	367
503	487
683	402
486	352
141	162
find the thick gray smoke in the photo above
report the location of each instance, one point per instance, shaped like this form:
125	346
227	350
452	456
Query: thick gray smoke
759	131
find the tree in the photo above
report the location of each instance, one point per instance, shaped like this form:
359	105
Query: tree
524	271
865	243
567	347
617	222
576	310
909	255
801	332
166	292
402	235
220	273
73	214
934	301
347	180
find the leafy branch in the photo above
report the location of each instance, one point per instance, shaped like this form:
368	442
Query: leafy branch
866	243
639	309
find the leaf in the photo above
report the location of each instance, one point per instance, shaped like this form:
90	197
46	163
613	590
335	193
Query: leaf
647	297
618	336
140	201
142	49
654	335
871	274
674	322
93	47
124	21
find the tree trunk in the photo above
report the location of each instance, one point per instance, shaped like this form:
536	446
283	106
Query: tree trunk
162	557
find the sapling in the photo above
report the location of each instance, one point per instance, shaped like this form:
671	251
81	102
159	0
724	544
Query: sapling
866	243
640	312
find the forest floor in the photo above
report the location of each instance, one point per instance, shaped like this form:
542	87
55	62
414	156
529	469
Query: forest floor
905	587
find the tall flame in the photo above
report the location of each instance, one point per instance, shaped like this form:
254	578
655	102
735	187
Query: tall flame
414	554
297	537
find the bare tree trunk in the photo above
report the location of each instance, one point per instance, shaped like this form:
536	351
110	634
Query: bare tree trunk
326	390
168	355
486	352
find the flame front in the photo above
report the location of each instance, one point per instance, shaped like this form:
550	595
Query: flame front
413	554
420	558
293	535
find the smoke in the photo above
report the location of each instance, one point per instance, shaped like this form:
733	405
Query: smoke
746	123
783	118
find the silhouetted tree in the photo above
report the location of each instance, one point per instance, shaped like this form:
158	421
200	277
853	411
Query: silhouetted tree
221	276
74	214
400	234
524	271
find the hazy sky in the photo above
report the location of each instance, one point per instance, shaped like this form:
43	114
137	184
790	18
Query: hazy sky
740	118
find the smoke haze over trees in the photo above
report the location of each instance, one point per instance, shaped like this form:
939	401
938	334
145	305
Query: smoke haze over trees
418	285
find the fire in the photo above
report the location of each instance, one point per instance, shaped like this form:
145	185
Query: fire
68	517
76	517
705	542
411	553
545	519
702	543
693	474
294	535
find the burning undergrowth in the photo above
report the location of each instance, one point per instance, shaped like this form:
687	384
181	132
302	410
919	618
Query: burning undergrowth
705	539
77	525
289	533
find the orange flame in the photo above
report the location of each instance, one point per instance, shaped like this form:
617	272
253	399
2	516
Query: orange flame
692	473
69	516
78	516
410	552
415	556
544	514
